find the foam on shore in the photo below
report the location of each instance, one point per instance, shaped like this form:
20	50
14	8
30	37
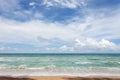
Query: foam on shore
60	72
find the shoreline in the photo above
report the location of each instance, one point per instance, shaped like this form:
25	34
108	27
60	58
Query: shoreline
61	72
57	78
22	74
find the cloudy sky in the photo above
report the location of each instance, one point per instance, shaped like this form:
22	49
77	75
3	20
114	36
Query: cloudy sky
59	26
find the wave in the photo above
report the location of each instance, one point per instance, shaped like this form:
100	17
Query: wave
115	64
77	62
4	66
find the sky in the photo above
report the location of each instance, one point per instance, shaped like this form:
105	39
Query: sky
75	26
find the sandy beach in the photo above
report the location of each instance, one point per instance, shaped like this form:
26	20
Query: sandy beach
58	78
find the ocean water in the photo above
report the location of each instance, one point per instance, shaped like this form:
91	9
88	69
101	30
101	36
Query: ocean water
60	63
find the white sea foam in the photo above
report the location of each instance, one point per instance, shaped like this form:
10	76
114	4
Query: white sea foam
82	62
60	72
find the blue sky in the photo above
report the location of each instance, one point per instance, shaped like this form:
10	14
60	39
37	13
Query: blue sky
59	26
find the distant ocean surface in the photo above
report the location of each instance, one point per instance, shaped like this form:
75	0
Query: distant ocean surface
64	63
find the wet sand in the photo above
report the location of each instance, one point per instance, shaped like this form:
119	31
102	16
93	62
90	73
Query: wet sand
58	78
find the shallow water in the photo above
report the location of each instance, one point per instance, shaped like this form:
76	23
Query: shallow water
61	63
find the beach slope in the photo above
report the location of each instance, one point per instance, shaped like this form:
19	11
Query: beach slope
58	78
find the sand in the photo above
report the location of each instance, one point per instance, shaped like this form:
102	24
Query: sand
58	78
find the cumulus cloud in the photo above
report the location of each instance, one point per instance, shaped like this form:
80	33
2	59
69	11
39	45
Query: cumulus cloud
32	3
93	34
91	44
66	48
88	45
37	32
64	3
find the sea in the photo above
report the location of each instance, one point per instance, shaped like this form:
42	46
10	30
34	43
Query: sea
70	64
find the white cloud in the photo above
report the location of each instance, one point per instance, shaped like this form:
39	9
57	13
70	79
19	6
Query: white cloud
93	44
97	31
64	3
66	48
7	49
28	32
104	27
9	5
88	45
32	3
94	34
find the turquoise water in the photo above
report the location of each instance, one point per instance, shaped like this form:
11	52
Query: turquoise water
39	61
